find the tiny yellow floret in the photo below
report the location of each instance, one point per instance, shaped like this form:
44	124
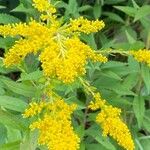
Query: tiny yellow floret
34	109
142	56
55	129
112	125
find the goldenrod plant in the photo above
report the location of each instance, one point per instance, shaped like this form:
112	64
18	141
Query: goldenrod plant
64	85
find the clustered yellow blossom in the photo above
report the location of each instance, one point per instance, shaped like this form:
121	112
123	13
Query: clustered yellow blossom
142	56
62	54
44	6
85	26
111	123
71	62
55	129
34	109
97	103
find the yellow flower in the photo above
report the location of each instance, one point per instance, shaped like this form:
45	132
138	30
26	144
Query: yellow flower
109	119
67	60
34	109
62	54
44	5
55	130
97	103
142	56
84	25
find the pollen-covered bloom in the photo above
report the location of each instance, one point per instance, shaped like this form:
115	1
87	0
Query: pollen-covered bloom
97	103
55	129
112	125
84	25
62	54
142	56
44	6
34	109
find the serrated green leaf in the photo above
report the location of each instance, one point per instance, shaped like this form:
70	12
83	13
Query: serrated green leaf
21	8
12	103
93	132
145	72
97	10
10	146
19	88
114	16
139	109
110	2
6	18
111	74
85	8
12	121
30	142
135	5
142	12
128	10
31	76
131	40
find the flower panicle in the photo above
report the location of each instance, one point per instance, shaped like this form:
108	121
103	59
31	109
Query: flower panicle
85	26
142	55
55	129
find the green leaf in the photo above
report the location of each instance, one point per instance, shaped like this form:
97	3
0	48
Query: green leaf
1	7
142	12
110	2
139	109
135	5
85	8
12	121
113	16
111	74
113	64
3	133
13	134
19	88
6	18
97	10
21	8
145	72
12	103
10	146
131	40
30	142
31	76
95	132
90	40
128	10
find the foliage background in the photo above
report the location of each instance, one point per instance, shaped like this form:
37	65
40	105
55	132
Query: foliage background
124	82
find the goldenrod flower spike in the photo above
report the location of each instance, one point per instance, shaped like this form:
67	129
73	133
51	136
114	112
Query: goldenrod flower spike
44	6
62	55
55	130
84	25
142	55
97	103
109	119
68	61
111	123
34	109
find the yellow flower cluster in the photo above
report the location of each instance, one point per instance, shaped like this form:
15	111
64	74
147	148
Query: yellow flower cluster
142	56
44	6
85	26
62	54
98	102
71	63
112	125
34	109
55	130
